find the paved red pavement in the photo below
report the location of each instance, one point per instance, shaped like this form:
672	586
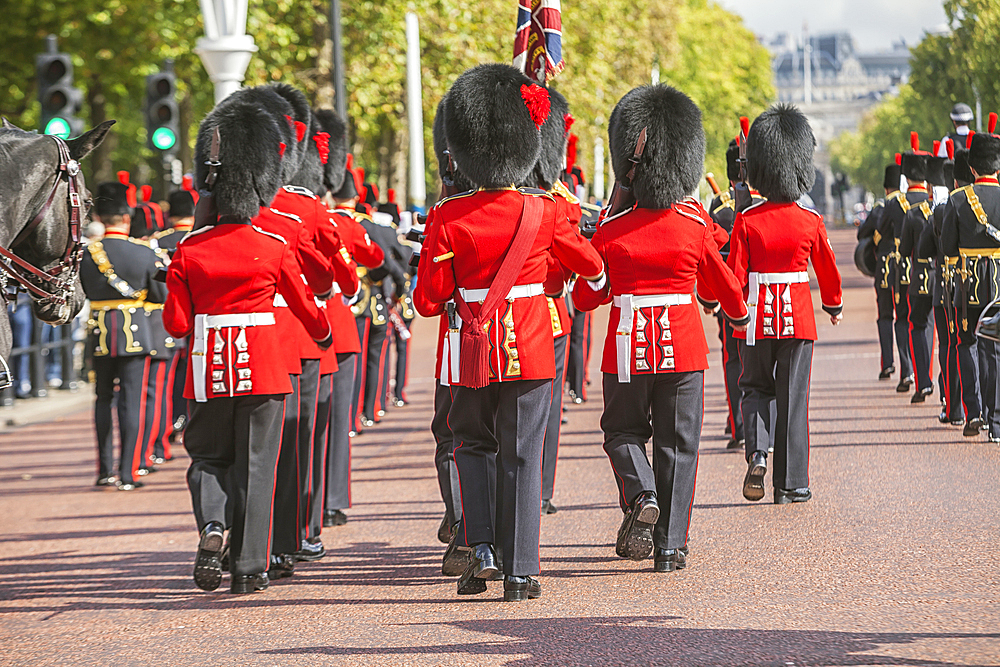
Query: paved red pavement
894	562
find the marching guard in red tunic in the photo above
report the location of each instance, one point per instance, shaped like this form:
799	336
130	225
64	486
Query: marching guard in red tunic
488	250
770	249
657	254
222	282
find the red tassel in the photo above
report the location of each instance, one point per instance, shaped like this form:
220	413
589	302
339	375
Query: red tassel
968	141
147	192
391	196
130	195
536	99
474	357
187	183
300	130
914	141
950	147
993	122
322	140
568	121
899	159
571	151
937	147
281	149
745	125
123	177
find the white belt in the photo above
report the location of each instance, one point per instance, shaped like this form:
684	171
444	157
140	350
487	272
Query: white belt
516	292
758	279
279	301
199	346
450	352
628	304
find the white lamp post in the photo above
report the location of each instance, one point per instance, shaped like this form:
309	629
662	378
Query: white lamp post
226	49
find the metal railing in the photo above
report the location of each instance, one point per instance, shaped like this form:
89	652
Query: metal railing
69	360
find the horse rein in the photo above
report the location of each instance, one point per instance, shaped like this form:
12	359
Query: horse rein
54	287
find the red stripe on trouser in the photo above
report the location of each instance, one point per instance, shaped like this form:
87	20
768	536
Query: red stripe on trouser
169	389
137	449
274	478
158	388
909	339
361	368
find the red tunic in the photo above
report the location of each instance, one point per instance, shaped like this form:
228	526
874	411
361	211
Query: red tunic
237	269
662	252
772	237
469	237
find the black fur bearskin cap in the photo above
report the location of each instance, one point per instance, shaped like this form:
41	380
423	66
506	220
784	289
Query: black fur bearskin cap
891	179
301	125
962	173
459	182
984	154
335	169
914	166
935	170
780	149
672	162
554	136
252	151
733	161
112	199
310	173
492	116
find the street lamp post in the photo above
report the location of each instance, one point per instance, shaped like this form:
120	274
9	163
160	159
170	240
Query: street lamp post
226	49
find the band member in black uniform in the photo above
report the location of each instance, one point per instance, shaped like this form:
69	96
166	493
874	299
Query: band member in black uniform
885	263
970	238
117	274
488	250
222	282
918	293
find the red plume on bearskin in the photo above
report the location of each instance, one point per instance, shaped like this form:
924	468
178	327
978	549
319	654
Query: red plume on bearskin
123	177
914	141
571	151
899	159
391	196
950	147
147	192
936	148
992	125
552	135
536	99
300	130
282	146
322	140
744	126
568	121
187	183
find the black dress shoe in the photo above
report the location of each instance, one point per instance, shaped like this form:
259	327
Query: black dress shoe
785	496
146	470
918	397
943	417
973	427
334	518
735	443
482	567
958	421
310	551
207	563
886	373
904	384
444	530
753	482
456	557
518	589
110	480
548	507
668	560
159	460
282	565
129	486
249	583
635	535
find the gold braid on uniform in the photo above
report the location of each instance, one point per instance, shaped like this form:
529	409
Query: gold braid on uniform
104	265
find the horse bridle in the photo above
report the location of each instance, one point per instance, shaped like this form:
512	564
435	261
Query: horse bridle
55	284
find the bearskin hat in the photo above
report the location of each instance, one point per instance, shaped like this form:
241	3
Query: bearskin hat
112	199
300	121
310	174
733	161
254	142
984	154
458	180
550	163
335	169
962	173
935	170
492	116
914	166
891	180
181	204
672	161
780	149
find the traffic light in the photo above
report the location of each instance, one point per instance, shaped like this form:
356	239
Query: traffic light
162	125
59	99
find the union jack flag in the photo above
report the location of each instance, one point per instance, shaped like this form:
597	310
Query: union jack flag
538	39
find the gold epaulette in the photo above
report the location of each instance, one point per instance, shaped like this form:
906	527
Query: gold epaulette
460	195
979	252
563	191
125	304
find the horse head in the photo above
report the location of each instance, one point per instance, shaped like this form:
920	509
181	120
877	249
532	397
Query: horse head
30	178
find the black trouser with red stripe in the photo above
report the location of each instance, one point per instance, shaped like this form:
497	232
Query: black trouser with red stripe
180	406
402	364
156	426
313	522
668	408
233	444
922	338
732	369
375	371
902	327
285	517
579	354
948	361
132	374
550	451
775	384
309	388
360	366
883	302
444	459
338	456
501	425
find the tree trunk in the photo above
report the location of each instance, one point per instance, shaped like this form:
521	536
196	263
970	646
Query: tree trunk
186	111
100	167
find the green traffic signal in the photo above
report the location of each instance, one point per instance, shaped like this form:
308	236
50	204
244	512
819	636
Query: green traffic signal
163	138
60	127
